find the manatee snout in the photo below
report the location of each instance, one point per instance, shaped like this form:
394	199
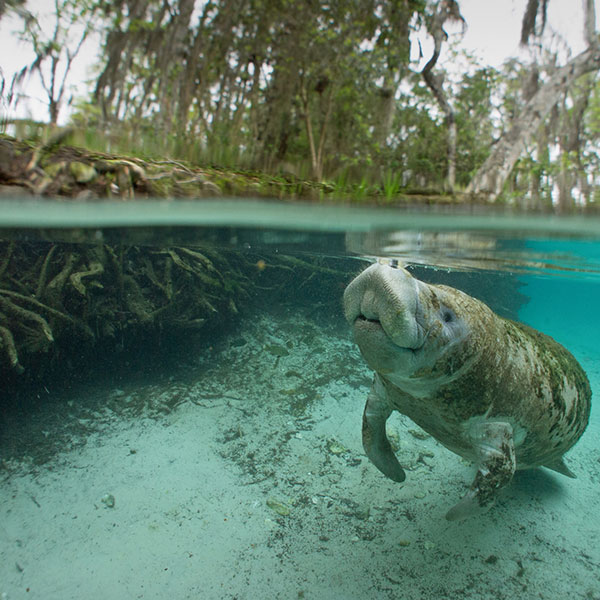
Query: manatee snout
385	298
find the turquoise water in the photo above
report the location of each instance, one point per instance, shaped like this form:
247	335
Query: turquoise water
229	464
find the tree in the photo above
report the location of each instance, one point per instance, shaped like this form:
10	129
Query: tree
14	5
446	10
327	88
54	54
266	79
490	178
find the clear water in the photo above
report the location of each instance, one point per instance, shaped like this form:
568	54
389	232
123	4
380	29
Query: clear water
228	464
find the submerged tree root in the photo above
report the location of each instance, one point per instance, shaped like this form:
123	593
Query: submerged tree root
19	313
8	345
52	312
56	300
96	268
60	301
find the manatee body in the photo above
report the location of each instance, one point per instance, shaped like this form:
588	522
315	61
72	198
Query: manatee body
492	390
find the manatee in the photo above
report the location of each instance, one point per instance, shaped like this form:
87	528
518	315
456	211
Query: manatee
494	391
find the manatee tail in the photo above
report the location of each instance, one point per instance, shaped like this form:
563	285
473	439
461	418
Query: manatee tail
560	467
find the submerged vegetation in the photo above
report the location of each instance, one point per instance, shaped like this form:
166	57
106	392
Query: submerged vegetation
54	297
66	308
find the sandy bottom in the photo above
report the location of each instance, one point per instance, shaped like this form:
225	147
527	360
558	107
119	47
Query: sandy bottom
241	475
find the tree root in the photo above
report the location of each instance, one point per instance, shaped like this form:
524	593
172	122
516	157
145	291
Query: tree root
53	291
180	262
41	286
52	312
6	259
148	270
198	256
135	301
26	315
96	268
194	269
116	263
60	296
8	343
169	277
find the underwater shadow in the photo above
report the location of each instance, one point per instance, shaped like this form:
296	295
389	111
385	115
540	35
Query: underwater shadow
536	483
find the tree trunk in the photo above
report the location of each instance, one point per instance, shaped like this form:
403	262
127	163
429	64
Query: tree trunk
386	105
451	141
447	11
188	82
316	153
491	176
536	201
565	183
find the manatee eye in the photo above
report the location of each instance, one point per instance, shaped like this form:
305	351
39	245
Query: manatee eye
448	316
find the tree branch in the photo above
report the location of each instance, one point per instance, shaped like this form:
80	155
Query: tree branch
447	11
491	176
589	23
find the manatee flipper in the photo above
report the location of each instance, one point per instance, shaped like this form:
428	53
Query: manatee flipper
374	437
560	467
495	450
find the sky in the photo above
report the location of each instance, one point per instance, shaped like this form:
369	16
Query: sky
494	26
492	36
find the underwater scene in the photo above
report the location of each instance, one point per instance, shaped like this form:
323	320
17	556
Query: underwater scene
183	390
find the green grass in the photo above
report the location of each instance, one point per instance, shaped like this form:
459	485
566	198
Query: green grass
228	167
